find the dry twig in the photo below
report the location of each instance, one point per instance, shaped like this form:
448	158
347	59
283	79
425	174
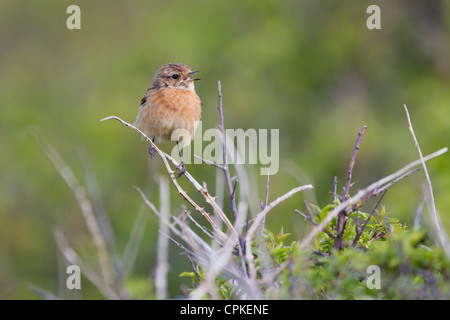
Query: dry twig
88	215
225	167
352	162
208	198
162	267
361	193
442	234
259	217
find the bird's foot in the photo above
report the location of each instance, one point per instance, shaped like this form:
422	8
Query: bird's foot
151	151
181	169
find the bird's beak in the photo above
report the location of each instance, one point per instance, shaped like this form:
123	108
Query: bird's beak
191	73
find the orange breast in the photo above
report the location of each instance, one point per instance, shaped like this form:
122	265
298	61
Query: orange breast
169	114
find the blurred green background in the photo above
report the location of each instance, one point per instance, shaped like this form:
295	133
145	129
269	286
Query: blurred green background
310	69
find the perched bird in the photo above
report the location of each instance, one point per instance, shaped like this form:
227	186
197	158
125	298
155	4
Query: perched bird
171	109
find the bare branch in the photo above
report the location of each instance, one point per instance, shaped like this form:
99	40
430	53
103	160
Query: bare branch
194	269
352	162
87	211
336	197
361	193
205	231
93	192
442	234
360	230
267	189
211	163
219	261
305	216
264	204
162	266
234	187
71	256
184	227
189	252
226	169
259	217
208	198
378	191
310	218
342	216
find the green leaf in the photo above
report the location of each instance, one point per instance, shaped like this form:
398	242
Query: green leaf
187	274
325	211
280	237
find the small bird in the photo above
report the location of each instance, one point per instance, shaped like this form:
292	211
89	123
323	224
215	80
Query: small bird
171	108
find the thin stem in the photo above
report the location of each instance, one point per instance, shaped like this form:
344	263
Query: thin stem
259	217
342	216
162	267
208	198
211	163
226	169
358	196
352	162
442	235
360	231
88	214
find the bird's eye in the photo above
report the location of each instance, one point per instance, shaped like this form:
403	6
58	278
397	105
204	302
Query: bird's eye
175	76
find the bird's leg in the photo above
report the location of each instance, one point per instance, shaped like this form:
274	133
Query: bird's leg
151	151
181	167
